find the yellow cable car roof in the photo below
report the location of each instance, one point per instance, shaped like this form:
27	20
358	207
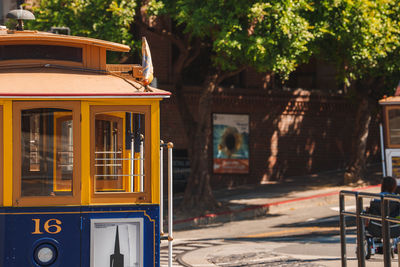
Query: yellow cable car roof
43	37
58	81
391	100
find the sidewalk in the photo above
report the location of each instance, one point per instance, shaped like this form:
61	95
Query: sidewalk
253	201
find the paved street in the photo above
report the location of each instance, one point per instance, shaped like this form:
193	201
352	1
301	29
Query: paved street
298	236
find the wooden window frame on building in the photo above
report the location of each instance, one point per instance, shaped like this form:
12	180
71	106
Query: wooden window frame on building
75	197
122	197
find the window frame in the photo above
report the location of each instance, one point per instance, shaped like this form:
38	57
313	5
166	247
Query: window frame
83	63
57	144
30	46
386	110
122	197
18	200
119	122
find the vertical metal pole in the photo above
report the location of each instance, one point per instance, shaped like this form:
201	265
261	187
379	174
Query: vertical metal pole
360	232
115	151
342	224
132	163
161	187
382	150
385	233
132	159
141	163
170	191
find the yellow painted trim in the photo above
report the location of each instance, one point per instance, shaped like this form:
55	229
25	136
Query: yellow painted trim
85	153
155	152
7	154
78	212
136	170
121	102
2	157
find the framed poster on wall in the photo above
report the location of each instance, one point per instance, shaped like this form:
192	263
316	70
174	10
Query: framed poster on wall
230	143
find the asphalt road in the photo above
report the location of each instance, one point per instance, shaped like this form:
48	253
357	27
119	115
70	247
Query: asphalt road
295	237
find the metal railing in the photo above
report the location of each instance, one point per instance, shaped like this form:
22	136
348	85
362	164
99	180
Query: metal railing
360	215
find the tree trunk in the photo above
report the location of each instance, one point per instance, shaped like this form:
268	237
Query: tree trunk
198	194
355	169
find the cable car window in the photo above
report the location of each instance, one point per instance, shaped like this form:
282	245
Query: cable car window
394	126
46	152
119	152
52	52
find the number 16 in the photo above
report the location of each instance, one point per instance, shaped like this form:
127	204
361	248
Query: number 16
54	228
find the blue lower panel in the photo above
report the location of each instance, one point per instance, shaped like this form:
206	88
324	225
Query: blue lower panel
101	222
79	236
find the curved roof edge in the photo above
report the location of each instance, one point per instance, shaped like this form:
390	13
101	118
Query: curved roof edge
53	82
390	100
12	36
82	96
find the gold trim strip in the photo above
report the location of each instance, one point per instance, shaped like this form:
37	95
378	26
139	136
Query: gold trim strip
77	212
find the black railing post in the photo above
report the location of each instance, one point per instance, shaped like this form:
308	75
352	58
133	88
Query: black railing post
360	231
342	224
385	232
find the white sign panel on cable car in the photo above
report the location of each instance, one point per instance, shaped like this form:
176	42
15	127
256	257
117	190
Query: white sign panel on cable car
116	242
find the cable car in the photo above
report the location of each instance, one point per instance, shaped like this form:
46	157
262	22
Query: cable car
390	136
80	152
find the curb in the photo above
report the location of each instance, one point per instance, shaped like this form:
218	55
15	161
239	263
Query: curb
257	210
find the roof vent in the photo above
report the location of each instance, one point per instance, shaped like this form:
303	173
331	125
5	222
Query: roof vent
20	15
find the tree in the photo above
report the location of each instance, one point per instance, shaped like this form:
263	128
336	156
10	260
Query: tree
104	19
269	36
363	39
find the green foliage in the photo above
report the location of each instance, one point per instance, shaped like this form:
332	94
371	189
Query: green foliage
280	36
361	36
104	19
270	36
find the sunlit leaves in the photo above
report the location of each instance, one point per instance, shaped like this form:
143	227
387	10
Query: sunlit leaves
361	36
268	35
105	19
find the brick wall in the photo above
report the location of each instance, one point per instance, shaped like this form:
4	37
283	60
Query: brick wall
291	133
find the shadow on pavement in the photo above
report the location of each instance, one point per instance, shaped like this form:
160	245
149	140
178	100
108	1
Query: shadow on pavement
256	201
